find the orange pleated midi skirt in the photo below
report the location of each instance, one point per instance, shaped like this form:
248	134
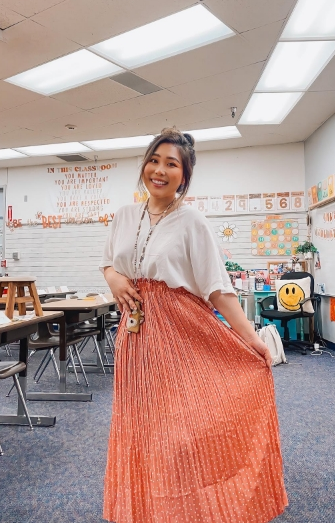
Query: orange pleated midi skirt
194	435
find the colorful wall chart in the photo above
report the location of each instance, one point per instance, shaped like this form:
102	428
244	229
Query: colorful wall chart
274	236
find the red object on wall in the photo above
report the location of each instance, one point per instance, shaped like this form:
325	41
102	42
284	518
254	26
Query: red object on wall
10	213
332	309
3	263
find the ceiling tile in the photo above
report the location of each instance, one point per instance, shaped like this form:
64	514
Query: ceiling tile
25	137
29	8
117	130
96	94
141	106
8	17
237	80
91	22
37	111
12	96
232	53
243	15
4	129
186	121
179	117
223	104
313	109
29	44
83	120
326	80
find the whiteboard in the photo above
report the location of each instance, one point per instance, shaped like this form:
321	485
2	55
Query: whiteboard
323	236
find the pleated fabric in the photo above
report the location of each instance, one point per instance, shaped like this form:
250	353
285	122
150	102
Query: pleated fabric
194	435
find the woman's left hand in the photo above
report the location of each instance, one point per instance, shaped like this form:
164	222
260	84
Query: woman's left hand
259	346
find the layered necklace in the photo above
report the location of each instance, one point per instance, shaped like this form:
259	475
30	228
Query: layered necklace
137	268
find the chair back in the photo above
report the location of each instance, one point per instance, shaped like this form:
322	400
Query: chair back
299	276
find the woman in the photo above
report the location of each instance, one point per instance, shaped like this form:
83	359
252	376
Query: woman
194	435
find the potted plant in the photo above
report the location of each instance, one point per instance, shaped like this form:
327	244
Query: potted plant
233	267
307	249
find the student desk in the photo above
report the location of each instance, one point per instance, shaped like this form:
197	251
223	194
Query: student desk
75	311
58	294
21	330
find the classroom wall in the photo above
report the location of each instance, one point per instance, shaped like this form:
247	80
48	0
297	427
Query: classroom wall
69	254
320	163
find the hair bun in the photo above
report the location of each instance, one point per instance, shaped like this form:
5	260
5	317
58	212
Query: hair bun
189	138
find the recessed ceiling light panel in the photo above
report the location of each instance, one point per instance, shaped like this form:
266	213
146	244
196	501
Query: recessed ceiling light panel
294	66
269	108
73	70
7	154
54	149
172	35
120	143
311	19
216	133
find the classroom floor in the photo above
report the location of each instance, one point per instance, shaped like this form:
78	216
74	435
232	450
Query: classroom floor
55	475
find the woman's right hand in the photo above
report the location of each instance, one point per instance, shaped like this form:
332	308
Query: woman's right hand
123	290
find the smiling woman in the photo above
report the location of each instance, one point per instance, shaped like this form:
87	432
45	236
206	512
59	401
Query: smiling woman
194	434
179	164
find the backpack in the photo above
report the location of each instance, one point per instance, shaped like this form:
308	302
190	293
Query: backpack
272	340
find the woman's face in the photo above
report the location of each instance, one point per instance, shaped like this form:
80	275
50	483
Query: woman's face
163	174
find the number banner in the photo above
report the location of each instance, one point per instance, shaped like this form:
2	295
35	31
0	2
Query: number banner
255	202
242	203
298	201
228	203
190	200
283	201
215	205
274	236
269	201
202	204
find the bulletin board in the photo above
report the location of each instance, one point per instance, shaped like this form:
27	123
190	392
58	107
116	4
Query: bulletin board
323	236
274	236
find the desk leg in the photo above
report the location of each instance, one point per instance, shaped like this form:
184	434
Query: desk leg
23	375
62	355
62	395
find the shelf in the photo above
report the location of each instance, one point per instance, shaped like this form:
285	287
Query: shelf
322	203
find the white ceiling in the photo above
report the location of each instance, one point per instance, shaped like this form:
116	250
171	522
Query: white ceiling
198	87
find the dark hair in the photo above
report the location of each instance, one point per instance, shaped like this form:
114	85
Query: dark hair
185	143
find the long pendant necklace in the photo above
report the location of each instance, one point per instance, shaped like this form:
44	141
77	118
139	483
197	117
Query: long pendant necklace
136	318
137	268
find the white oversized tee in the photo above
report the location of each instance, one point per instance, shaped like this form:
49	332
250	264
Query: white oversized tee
182	250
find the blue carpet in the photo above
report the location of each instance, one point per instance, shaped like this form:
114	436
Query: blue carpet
55	475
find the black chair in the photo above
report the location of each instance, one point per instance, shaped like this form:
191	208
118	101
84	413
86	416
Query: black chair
12	369
284	317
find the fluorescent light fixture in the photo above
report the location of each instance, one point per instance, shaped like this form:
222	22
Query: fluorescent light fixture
120	143
64	73
54	149
268	108
216	133
7	154
172	35
294	66
311	19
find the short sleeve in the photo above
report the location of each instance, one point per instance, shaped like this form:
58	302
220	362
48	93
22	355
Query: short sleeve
208	269
107	256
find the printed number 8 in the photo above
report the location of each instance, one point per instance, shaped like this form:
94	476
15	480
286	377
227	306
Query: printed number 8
297	202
